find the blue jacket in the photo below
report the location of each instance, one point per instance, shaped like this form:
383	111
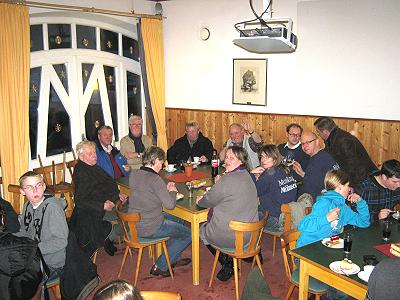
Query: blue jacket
316	226
104	161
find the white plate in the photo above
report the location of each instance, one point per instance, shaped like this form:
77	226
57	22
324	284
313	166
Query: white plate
363	276
195	164
171	171
179	196
326	242
335	267
396	216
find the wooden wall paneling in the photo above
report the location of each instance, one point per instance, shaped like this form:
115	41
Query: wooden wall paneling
379	137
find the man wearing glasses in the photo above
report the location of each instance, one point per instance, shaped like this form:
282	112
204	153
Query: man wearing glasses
292	151
320	162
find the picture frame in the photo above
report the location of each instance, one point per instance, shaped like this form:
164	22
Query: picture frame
250	82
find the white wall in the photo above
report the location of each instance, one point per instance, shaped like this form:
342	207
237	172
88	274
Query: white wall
346	63
343	65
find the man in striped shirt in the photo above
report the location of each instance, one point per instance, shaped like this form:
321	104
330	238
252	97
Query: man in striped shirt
381	190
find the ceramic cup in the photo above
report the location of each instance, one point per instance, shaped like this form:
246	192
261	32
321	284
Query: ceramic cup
170	168
196	159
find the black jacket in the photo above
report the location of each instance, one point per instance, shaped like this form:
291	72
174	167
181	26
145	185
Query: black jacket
350	154
181	150
20	273
12	223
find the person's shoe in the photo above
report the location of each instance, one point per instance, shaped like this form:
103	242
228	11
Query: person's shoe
157	271
109	247
182	262
225	273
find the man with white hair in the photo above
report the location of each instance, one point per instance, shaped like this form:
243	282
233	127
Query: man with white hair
135	143
95	195
244	136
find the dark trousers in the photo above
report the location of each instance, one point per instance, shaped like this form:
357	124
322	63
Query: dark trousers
225	260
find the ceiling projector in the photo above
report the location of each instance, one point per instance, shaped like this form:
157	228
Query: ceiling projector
269	36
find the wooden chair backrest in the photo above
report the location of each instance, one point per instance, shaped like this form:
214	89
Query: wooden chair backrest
17	200
53	174
288	242
286	210
128	224
242	229
158	295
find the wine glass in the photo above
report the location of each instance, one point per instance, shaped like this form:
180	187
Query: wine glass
189	185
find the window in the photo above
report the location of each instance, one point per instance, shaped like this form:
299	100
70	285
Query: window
82	77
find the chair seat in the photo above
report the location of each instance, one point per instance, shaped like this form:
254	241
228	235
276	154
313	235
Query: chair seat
144	240
228	250
274	231
54	281
314	285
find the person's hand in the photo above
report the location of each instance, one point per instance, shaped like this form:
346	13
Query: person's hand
246	125
333	214
216	178
298	169
198	198
126	168
383	213
108	205
257	170
171	187
130	154
353	197
203	159
123	197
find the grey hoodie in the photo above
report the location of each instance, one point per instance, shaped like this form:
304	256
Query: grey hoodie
53	235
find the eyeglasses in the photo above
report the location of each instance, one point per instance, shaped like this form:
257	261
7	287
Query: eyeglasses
308	142
30	188
135	125
295	134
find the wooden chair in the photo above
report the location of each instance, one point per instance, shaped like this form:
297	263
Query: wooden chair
132	240
288	242
54	178
242	250
158	295
17	200
277	233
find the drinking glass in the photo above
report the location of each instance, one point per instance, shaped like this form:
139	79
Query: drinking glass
347	242
189	185
386	229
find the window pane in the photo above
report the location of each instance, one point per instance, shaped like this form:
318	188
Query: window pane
109	41
134	94
59	36
109	73
130	48
94	115
58	127
61	71
36	37
86	71
86	37
34	93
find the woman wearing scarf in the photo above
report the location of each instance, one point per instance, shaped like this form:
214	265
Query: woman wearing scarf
233	197
135	143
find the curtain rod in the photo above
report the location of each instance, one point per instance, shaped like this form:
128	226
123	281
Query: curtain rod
85	9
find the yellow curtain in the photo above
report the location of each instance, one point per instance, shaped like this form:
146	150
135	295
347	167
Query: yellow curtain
152	34
14	93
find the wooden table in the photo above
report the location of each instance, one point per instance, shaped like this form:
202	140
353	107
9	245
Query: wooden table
187	210
315	259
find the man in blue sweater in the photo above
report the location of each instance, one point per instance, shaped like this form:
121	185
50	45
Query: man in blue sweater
320	162
108	157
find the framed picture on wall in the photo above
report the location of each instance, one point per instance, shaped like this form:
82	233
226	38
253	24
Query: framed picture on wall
249	81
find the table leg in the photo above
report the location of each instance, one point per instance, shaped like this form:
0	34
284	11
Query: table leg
304	278
195	250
